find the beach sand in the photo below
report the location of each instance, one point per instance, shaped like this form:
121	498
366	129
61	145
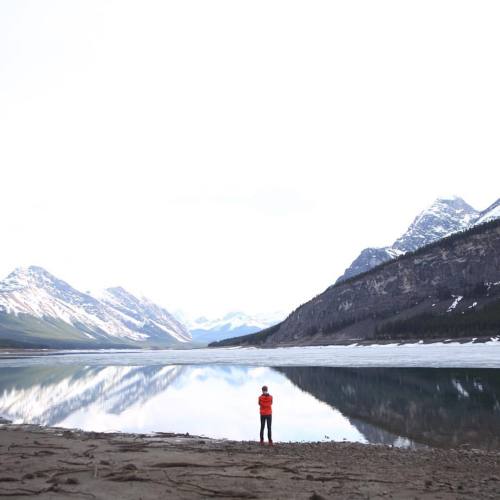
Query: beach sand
56	463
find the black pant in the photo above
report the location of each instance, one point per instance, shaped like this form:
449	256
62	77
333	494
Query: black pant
263	420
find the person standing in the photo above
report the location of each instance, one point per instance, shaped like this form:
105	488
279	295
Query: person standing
266	414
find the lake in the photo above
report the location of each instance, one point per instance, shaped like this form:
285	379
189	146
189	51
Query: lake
181	391
439	355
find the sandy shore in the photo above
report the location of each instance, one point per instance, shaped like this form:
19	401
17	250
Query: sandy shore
57	463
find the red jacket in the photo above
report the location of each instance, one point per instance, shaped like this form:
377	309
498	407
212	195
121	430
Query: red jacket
265	403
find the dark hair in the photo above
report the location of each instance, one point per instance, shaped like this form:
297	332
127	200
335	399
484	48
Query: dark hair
264	388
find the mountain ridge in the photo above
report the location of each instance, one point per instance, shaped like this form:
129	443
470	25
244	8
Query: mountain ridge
431	280
443	217
43	303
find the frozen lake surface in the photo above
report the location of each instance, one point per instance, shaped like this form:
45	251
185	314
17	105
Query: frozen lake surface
438	355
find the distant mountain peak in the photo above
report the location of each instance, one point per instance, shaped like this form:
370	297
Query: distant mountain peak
27	274
444	216
453	197
117	290
32	277
231	324
452	201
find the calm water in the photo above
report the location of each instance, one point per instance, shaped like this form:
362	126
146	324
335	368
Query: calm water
400	406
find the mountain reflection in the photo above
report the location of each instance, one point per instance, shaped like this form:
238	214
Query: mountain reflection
48	395
401	407
214	400
438	407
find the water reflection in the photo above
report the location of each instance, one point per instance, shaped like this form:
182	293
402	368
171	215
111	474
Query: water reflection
218	401
393	406
438	407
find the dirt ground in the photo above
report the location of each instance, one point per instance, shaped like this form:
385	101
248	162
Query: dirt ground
55	463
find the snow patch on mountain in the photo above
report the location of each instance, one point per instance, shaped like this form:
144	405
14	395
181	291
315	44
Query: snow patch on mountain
234	320
492	212
444	217
232	324
143	313
35	292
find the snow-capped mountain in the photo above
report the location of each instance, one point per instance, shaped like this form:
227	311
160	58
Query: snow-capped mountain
230	325
492	212
34	304
444	217
143	315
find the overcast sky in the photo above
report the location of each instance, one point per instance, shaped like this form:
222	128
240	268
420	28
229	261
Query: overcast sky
222	155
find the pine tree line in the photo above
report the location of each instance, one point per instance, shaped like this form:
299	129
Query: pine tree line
470	323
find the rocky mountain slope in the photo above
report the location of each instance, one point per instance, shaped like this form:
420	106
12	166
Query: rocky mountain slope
38	309
444	217
448	288
143	316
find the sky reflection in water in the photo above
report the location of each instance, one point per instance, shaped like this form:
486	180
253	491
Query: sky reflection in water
217	401
398	406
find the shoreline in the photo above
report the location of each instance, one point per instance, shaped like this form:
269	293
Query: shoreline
18	352
357	342
51	462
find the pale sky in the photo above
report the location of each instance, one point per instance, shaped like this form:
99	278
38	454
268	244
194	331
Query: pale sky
229	155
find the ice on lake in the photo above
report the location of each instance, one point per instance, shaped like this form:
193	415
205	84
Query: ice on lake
443	355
